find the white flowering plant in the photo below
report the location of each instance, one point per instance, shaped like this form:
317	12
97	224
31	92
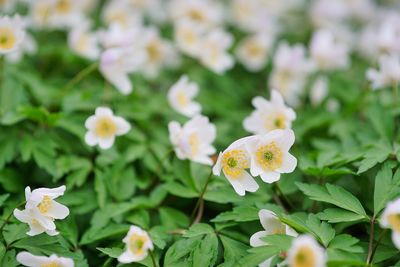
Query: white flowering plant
204	133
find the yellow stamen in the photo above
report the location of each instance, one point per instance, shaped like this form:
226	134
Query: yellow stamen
45	205
154	51
63	6
234	162
136	244
394	221
7	38
269	156
305	257
182	99
194	143
105	127
196	15
51	264
254	50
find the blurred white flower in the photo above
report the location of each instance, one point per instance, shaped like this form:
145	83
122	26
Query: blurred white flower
391	219
332	105
269	115
194	140
181	95
327	53
40	11
305	251
30	260
208	13
253	51
7	5
27	47
118	37
272	226
12	33
213	52
103	127
270	155
188	36
121	12
290	70
159	52
389	73
138	243
83	42
233	162
319	90
41	210
117	63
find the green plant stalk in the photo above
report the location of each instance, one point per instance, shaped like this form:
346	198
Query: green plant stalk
79	76
153	260
200	200
371	240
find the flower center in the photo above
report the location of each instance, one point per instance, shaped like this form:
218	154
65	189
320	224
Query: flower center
269	156
305	257
279	230
196	15
254	50
7	38
45	205
105	127
234	162
51	264
63	6
83	43
394	221
182	99
188	36
136	243
194	143
154	51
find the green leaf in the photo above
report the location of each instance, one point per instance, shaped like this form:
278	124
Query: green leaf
111	252
173	218
180	253
334	215
199	229
206	253
374	155
14	232
233	251
386	187
238	214
347	243
323	231
111	230
335	195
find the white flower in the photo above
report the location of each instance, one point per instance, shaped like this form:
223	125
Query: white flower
30	260
188	36
41	210
117	63
103	127
290	70
65	14
391	219
213	52
270	155
327	53
305	251
83	42
118	37
122	13
12	34
181	95
193	140
319	90
272	226
138	243
269	115
252	52
233	162
389	73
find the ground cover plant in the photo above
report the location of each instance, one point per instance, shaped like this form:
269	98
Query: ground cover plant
199	133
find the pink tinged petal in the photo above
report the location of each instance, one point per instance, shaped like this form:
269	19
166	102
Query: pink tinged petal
217	167
203	160
38	194
122	126
285	139
266	216
58	211
260	102
27	192
248	182
106	143
91	139
289	163
276	98
30	260
270	177
255	239
22	216
66	262
35	229
120	80
237	186
90	122
103	111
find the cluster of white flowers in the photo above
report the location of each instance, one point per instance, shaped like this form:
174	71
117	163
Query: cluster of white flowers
41	210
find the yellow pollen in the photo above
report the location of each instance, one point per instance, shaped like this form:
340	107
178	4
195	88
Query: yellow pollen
45	205
182	99
105	127
83	43
279	121
188	36
63	6
234	162
136	243
394	221
305	257
118	17
194	143
7	38
51	264
279	231
269	156
196	15
154	51
254	50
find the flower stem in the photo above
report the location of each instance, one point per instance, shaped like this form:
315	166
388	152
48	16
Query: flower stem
371	240
153	260
283	200
381	235
79	76
200	202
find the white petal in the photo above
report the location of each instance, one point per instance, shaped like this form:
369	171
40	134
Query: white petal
30	260
91	139
90	122
266	263
22	216
104	111
270	177
58	211
122	126
396	239
106	143
289	163
285	139
248	182
255	239
237	186
35	229
39	193
217	167
266	217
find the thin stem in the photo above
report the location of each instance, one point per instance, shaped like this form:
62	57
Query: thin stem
198	203
79	76
10	215
371	240
152	258
381	235
282	196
